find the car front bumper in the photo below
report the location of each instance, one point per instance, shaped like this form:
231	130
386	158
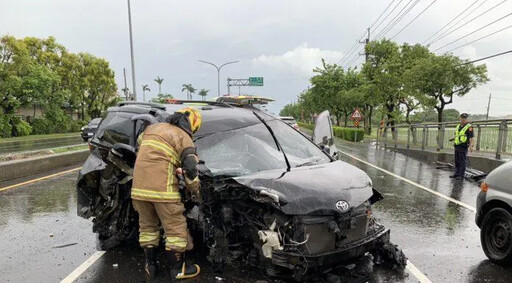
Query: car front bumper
292	260
480	201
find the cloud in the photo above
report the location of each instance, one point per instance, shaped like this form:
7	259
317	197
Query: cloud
300	61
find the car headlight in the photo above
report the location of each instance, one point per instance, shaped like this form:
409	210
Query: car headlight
82	128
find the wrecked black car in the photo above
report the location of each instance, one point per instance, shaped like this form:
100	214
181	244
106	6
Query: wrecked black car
271	196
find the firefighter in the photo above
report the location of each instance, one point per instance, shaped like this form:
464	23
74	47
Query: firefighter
166	150
463	141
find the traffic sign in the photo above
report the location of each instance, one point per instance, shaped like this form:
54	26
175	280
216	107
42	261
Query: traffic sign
255	81
357	115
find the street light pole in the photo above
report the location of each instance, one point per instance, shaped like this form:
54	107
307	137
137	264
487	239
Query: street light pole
218	71
131	52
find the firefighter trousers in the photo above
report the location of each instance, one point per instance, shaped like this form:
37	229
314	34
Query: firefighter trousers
170	215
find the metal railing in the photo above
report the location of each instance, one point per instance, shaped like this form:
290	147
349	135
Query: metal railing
491	136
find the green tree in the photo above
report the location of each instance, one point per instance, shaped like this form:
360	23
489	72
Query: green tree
159	81
441	77
162	98
189	89
203	93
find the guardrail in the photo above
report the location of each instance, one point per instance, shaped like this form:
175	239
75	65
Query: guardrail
491	136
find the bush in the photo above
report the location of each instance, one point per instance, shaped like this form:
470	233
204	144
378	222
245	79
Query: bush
349	134
40	126
21	128
76	126
5	126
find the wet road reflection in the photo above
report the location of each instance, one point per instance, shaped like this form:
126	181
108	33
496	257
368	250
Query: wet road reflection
34	220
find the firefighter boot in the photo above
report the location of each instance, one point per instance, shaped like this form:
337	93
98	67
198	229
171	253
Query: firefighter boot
151	266
179	268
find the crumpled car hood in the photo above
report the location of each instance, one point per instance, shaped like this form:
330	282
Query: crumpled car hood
313	188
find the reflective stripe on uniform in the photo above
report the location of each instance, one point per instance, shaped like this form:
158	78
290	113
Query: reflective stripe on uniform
163	147
460	135
176	242
155	195
146	237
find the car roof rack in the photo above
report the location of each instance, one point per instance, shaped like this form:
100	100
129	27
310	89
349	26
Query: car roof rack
141	103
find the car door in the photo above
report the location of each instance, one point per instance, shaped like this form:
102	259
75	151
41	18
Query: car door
323	135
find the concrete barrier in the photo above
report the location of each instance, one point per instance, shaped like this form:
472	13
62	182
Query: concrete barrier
25	167
482	163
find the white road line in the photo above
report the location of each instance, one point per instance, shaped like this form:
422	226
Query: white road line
83	267
412	183
422	278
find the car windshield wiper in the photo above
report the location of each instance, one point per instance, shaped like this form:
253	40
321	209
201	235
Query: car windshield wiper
279	147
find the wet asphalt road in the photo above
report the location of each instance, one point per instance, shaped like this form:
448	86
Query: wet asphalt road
439	237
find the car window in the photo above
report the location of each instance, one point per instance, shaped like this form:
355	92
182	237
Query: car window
240	151
298	149
116	127
95	122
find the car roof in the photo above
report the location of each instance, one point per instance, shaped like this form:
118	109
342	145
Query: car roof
216	117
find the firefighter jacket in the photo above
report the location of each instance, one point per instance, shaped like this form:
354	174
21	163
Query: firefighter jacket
163	148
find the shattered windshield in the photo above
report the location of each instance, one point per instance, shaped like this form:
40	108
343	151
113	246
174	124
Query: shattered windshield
252	149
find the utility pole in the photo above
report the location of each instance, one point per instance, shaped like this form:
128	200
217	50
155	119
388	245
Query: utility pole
367	123
131	52
488	106
125	89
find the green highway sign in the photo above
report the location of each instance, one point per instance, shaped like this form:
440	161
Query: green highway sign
256	81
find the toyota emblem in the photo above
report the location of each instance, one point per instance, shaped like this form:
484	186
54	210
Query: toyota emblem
342	206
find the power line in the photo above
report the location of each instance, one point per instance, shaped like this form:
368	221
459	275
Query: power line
479	38
400	18
392	20
437	32
382	14
487	57
456	23
389	14
479	29
464	24
343	59
426	8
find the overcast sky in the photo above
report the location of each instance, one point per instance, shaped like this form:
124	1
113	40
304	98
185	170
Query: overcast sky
281	41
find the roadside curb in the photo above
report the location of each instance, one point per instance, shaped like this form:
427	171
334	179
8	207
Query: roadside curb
31	166
481	163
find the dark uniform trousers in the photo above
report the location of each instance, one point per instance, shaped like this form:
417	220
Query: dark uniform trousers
461	154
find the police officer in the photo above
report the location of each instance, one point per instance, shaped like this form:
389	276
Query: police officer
463	141
166	150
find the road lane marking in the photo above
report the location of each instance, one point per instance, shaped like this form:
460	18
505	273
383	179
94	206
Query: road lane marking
83	267
411	182
39	179
422	278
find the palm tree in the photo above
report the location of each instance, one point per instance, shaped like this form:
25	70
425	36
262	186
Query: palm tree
159	81
189	89
203	93
144	89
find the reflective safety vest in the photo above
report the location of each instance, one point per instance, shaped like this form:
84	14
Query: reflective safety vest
460	134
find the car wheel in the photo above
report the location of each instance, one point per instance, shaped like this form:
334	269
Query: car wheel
496	236
85	140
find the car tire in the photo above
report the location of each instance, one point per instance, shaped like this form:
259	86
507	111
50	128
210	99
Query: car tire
496	236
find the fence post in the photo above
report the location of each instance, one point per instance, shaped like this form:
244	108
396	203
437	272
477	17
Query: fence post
478	134
396	137
504	139
409	129
500	139
440	137
423	141
385	136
